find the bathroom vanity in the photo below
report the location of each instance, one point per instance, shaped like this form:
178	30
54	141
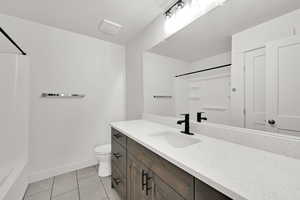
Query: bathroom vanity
155	161
138	173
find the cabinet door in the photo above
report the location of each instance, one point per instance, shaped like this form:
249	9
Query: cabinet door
179	180
161	191
283	86
139	181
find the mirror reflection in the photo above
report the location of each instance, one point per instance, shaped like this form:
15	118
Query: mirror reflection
241	73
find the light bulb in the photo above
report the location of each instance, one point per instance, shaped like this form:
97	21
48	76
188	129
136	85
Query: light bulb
180	4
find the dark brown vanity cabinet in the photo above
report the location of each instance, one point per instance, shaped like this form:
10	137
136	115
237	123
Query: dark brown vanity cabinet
162	191
140	174
139	182
144	184
118	161
178	180
118	182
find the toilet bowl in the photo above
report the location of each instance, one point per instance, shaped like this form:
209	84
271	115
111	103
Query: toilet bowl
103	156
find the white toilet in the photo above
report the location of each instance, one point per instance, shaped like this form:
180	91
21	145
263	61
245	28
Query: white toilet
103	155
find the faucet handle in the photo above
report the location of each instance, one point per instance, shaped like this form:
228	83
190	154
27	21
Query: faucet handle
199	117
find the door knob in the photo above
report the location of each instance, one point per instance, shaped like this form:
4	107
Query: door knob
271	121
143	179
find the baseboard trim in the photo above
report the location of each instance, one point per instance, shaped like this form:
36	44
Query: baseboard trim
16	183
37	176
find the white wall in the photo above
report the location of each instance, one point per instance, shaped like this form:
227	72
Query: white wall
208	91
213	61
253	38
156	32
287	145
213	87
14	120
63	132
158	80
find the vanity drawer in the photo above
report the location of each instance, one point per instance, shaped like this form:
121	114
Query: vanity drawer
176	178
118	156
118	137
118	182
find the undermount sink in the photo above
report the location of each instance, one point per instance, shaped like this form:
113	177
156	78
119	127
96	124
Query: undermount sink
177	140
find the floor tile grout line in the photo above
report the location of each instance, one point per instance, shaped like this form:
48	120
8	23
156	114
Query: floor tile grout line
66	192
77	185
51	197
52	186
104	188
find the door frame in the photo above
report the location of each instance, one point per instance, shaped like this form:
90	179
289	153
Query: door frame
244	80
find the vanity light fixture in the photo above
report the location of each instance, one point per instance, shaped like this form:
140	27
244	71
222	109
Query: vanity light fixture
178	5
168	13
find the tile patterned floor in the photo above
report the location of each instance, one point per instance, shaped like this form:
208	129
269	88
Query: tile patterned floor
83	184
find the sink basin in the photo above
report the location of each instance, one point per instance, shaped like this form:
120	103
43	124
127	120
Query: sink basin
177	140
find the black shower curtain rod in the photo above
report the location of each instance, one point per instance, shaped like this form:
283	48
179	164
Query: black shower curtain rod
12	41
204	70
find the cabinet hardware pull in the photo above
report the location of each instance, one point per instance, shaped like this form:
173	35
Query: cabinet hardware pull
117	155
148	178
143	179
117	181
117	136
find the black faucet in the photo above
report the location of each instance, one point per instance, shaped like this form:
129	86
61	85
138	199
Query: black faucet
200	118
186	122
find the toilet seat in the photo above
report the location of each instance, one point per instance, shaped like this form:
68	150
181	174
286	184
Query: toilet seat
103	149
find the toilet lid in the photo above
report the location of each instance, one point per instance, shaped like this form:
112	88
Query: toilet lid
103	149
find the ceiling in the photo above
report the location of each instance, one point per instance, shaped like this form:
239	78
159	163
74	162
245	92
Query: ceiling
84	16
211	34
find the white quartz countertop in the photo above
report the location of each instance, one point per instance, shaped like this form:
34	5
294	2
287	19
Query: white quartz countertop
239	172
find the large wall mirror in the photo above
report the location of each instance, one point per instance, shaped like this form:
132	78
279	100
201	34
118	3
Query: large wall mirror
241	73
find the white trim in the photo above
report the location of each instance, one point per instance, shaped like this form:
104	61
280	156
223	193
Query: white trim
41	175
243	53
15	173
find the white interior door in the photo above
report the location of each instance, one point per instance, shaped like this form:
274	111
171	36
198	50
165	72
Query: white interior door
283	86
255	66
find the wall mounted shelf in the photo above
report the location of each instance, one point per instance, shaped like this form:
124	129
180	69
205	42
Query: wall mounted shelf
62	95
162	97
